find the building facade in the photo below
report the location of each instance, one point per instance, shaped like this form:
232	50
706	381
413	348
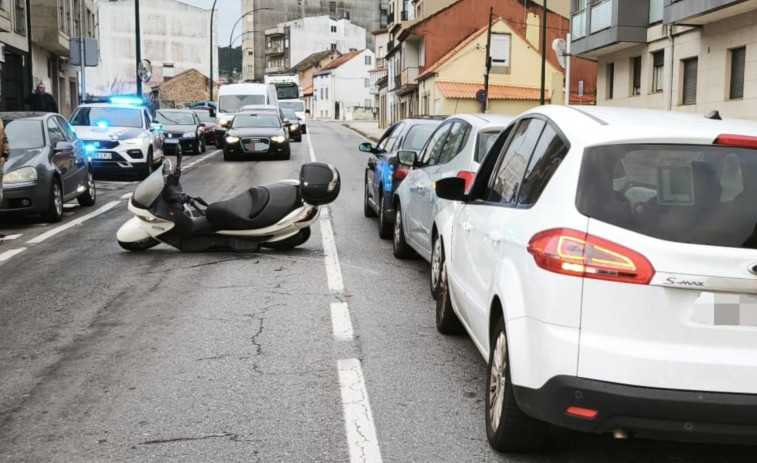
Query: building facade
175	38
291	42
261	15
341	90
684	55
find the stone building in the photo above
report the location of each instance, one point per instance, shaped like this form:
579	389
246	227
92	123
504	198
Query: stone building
183	89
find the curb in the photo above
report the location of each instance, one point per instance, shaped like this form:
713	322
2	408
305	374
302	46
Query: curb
361	133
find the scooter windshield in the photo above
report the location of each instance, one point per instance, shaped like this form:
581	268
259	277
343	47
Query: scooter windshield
148	191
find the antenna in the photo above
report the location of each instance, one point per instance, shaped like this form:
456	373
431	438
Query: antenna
560	46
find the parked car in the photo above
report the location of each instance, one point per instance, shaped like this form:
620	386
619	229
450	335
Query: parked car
253	135
456	148
383	173
600	317
292	124
120	138
207	117
181	127
47	166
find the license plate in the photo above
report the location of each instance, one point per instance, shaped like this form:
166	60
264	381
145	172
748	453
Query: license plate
101	156
171	141
725	309
256	146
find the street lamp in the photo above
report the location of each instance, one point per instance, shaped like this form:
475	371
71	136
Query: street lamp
210	76
231	68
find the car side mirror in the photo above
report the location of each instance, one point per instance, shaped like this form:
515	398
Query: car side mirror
407	157
452	188
63	146
366	148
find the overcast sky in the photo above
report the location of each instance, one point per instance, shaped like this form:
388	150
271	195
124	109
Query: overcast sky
228	12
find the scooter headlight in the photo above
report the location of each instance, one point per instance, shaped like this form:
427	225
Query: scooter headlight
278	139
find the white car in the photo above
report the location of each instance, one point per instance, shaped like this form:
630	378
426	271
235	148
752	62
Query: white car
595	315
456	148
119	138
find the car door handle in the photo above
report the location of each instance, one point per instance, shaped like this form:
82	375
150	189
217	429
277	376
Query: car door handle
494	237
467	226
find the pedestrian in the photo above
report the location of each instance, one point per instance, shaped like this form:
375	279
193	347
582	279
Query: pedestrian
42	101
4	153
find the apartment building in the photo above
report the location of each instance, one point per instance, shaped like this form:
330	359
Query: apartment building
341	88
682	55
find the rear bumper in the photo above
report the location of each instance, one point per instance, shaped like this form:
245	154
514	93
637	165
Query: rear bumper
644	412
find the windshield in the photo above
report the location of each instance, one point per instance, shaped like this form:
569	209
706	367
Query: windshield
25	135
148	191
256	121
289	114
204	116
107	117
232	103
174	118
287	91
298	106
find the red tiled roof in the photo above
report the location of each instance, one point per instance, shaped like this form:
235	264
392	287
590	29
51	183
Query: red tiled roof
467	91
307	91
341	60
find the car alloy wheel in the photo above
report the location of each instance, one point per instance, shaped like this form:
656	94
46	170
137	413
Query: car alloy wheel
90	195
497	382
437	257
54	212
400	248
446	318
385	230
367	209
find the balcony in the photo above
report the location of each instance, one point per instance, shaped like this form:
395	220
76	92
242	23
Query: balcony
47	30
405	16
608	26
275	69
275	49
409	74
698	12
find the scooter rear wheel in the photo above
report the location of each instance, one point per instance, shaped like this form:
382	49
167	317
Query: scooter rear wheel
288	243
139	245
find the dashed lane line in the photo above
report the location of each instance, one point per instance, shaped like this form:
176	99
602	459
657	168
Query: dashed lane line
73	223
8	254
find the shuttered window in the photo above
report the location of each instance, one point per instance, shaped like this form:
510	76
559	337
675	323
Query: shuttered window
689	81
658	70
636	75
738	59
610	79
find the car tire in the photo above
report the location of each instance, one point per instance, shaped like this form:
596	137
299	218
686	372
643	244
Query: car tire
298	139
287	154
147	169
203	148
437	260
367	209
226	155
90	195
54	212
446	318
139	245
400	248
304	129
385	230
300	238
508	429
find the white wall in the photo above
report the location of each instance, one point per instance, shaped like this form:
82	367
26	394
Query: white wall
346	87
172	32
314	34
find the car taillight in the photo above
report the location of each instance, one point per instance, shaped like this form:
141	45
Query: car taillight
400	171
571	252
468	176
738	141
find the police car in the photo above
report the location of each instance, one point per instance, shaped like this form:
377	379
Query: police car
119	136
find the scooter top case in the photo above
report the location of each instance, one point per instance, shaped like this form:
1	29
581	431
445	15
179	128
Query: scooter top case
319	183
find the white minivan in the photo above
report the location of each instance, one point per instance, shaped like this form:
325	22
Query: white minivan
232	97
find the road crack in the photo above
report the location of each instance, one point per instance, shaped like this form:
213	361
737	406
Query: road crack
231	436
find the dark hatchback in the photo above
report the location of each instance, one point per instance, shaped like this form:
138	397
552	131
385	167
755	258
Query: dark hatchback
383	173
181	127
47	166
208	117
254	135
292	124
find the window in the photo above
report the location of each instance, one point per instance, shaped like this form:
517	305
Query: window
505	182
610	79
658	70
333	28
434	146
368	60
327	92
636	75
56	133
738	59
332	7
19	17
368	103
689	95
367	82
458	135
547	156
395	135
333	46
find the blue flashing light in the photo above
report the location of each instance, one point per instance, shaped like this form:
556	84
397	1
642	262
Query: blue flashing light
388	177
89	148
102	124
130	100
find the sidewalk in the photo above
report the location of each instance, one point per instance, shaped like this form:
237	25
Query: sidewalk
367	129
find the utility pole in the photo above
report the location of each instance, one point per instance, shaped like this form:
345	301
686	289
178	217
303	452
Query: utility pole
543	51
210	76
139	49
82	50
485	103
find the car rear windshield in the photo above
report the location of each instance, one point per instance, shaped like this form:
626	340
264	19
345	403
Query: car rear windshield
108	117
232	103
683	193
205	116
256	121
25	135
418	135
293	105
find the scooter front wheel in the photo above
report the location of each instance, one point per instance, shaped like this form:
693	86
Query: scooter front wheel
139	245
287	243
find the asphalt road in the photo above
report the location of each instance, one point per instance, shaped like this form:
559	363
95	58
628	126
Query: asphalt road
107	355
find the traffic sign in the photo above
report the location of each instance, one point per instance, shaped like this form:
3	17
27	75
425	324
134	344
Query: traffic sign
481	96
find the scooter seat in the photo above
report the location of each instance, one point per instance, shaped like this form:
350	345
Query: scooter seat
258	207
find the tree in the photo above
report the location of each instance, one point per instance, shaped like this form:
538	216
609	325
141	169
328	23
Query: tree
223	60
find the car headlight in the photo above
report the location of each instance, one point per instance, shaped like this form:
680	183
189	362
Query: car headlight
133	141
232	140
223	123
22	175
278	139
294	127
188	135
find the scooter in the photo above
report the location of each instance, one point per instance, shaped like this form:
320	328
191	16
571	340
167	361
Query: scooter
274	215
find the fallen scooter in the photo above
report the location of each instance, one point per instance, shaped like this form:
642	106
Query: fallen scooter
274	215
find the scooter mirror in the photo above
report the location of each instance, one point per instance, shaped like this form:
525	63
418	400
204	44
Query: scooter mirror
178	157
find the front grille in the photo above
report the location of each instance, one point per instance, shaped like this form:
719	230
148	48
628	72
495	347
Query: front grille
255	144
102	144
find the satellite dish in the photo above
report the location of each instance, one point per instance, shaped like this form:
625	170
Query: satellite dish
560	47
144	70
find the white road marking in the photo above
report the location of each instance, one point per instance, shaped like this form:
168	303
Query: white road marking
340	321
11	237
127	195
73	223
358	419
8	254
